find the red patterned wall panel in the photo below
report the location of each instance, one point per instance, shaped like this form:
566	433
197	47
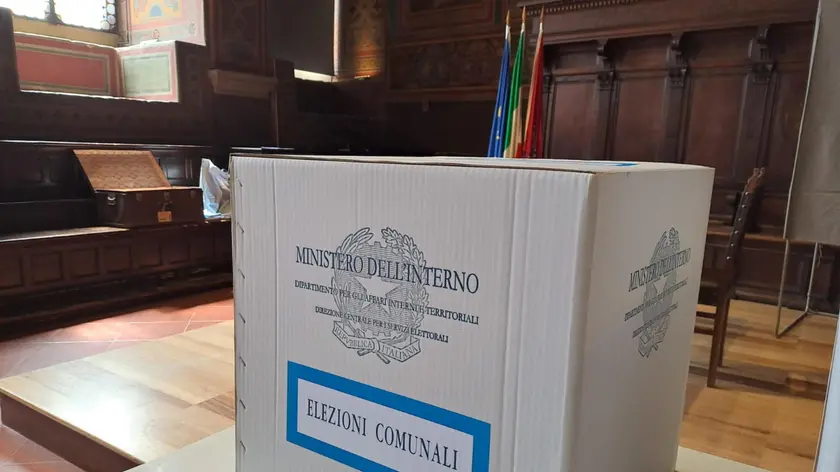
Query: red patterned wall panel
59	65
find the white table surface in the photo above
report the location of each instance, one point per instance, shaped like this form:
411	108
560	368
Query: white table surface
217	453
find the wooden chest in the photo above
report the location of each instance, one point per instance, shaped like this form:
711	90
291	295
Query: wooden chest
132	191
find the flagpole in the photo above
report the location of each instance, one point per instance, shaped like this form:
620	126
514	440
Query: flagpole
513	136
532	141
526	151
497	131
538	123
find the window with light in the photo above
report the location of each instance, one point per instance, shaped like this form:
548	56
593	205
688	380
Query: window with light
93	14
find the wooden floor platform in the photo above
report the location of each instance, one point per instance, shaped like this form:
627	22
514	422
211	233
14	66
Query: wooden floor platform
115	410
217	453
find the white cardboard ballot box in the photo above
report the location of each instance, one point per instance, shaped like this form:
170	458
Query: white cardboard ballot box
454	314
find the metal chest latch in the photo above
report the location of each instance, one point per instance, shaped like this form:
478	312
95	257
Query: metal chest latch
165	213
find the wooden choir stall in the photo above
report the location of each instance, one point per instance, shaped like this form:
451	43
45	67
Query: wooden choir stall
59	261
715	83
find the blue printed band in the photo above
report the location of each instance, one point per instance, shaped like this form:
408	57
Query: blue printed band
479	430
608	163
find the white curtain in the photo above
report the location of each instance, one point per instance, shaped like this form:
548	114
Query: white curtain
814	202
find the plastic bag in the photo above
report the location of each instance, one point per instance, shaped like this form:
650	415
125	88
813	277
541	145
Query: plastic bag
215	185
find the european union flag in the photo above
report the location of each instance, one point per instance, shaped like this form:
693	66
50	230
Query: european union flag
496	148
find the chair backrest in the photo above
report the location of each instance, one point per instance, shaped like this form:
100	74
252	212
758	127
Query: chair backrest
743	216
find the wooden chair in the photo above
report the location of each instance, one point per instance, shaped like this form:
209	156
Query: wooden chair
718	283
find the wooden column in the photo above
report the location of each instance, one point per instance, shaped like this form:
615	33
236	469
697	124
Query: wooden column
604	94
674	99
754	108
548	98
240	71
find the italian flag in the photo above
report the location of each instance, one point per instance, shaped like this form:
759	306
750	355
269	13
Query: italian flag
533	141
513	136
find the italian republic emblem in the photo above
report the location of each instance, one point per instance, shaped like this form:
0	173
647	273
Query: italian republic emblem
659	295
381	325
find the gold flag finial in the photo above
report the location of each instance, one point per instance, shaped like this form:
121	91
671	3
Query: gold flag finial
524	14
542	14
507	19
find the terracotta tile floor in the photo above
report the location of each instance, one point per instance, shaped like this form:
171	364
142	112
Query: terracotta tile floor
18	454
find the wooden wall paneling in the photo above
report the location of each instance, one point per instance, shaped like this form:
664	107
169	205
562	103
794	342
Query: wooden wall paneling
46	266
73	273
175	251
201	247
18	217
148	254
236	35
181	169
584	20
439	56
116	258
39	116
223	245
11	269
718	72
547	96
756	93
605	101
51	263
38	175
713	83
673	106
731	100
760	273
455	67
195	89
572	133
241	121
571	111
82	263
637	132
414	20
239	63
456	127
284	105
25	267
